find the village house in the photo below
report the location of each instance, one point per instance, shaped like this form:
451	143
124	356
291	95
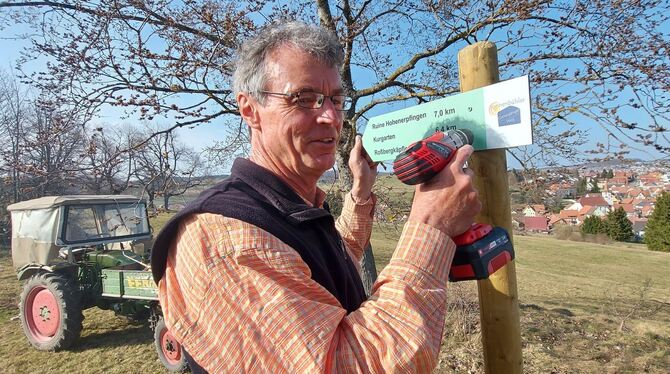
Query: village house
598	211
646	210
619	191
566	216
627	200
593	204
563	190
618	181
620	178
638	193
591	200
534	210
609	198
639	226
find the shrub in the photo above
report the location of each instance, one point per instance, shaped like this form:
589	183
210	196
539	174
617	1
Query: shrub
592	225
618	227
562	232
597	238
657	231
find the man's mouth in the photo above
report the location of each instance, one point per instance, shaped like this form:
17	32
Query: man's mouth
327	140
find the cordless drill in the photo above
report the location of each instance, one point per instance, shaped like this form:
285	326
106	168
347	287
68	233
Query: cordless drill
482	249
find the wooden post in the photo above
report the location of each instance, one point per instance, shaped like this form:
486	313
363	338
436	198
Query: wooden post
498	297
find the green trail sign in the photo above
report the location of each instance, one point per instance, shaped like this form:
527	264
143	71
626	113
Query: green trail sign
498	116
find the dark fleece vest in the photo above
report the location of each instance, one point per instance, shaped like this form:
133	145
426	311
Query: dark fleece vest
253	194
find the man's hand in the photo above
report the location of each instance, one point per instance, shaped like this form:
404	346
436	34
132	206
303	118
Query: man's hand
449	201
363	170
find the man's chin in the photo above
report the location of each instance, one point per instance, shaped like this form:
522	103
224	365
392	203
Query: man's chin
322	164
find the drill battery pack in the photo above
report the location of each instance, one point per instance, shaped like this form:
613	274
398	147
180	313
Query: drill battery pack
480	252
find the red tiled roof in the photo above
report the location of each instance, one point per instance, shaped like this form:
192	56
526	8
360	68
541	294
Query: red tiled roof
569	214
535	223
628	208
586	209
593	200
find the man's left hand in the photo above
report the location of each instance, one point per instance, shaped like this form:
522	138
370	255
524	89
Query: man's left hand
364	171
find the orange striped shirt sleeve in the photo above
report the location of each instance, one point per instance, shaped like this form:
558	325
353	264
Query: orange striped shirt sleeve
355	224
240	300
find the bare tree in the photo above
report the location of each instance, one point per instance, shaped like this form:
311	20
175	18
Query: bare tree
14	114
157	59
165	167
108	159
53	143
44	141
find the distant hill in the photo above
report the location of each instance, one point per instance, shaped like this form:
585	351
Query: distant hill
614	164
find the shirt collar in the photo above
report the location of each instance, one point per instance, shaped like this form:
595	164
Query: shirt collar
277	192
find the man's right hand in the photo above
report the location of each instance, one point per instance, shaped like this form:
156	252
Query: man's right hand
449	201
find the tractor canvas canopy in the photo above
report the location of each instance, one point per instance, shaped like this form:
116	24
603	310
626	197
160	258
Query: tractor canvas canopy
40	227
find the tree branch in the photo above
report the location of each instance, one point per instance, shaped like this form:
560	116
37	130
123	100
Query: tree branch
157	21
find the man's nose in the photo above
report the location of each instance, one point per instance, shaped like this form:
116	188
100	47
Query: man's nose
329	111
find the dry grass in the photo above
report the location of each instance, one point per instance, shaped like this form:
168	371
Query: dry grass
574	297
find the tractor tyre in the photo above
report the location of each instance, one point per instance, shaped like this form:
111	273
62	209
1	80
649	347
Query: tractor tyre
50	311
170	352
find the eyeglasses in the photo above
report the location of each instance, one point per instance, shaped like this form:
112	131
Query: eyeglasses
314	100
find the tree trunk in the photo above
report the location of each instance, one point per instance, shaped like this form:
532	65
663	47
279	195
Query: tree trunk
150	196
166	201
368	274
368	268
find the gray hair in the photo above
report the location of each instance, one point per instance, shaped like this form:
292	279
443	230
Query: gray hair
250	69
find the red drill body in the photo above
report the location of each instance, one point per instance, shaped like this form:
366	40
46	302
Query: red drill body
481	250
425	158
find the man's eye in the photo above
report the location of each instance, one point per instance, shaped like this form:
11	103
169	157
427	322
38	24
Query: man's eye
338	100
307	98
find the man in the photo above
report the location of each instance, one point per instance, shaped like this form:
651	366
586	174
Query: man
256	276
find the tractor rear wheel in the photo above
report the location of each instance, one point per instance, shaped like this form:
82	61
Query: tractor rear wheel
170	352
50	311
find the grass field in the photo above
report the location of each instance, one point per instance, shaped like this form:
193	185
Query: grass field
585	308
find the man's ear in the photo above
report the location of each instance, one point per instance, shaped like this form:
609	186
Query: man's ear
248	107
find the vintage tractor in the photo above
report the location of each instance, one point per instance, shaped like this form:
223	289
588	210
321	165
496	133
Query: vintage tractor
83	251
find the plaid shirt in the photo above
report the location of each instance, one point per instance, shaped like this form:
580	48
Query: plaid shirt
240	300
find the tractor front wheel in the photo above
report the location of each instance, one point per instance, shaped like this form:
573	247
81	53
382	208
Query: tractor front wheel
50	311
170	352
